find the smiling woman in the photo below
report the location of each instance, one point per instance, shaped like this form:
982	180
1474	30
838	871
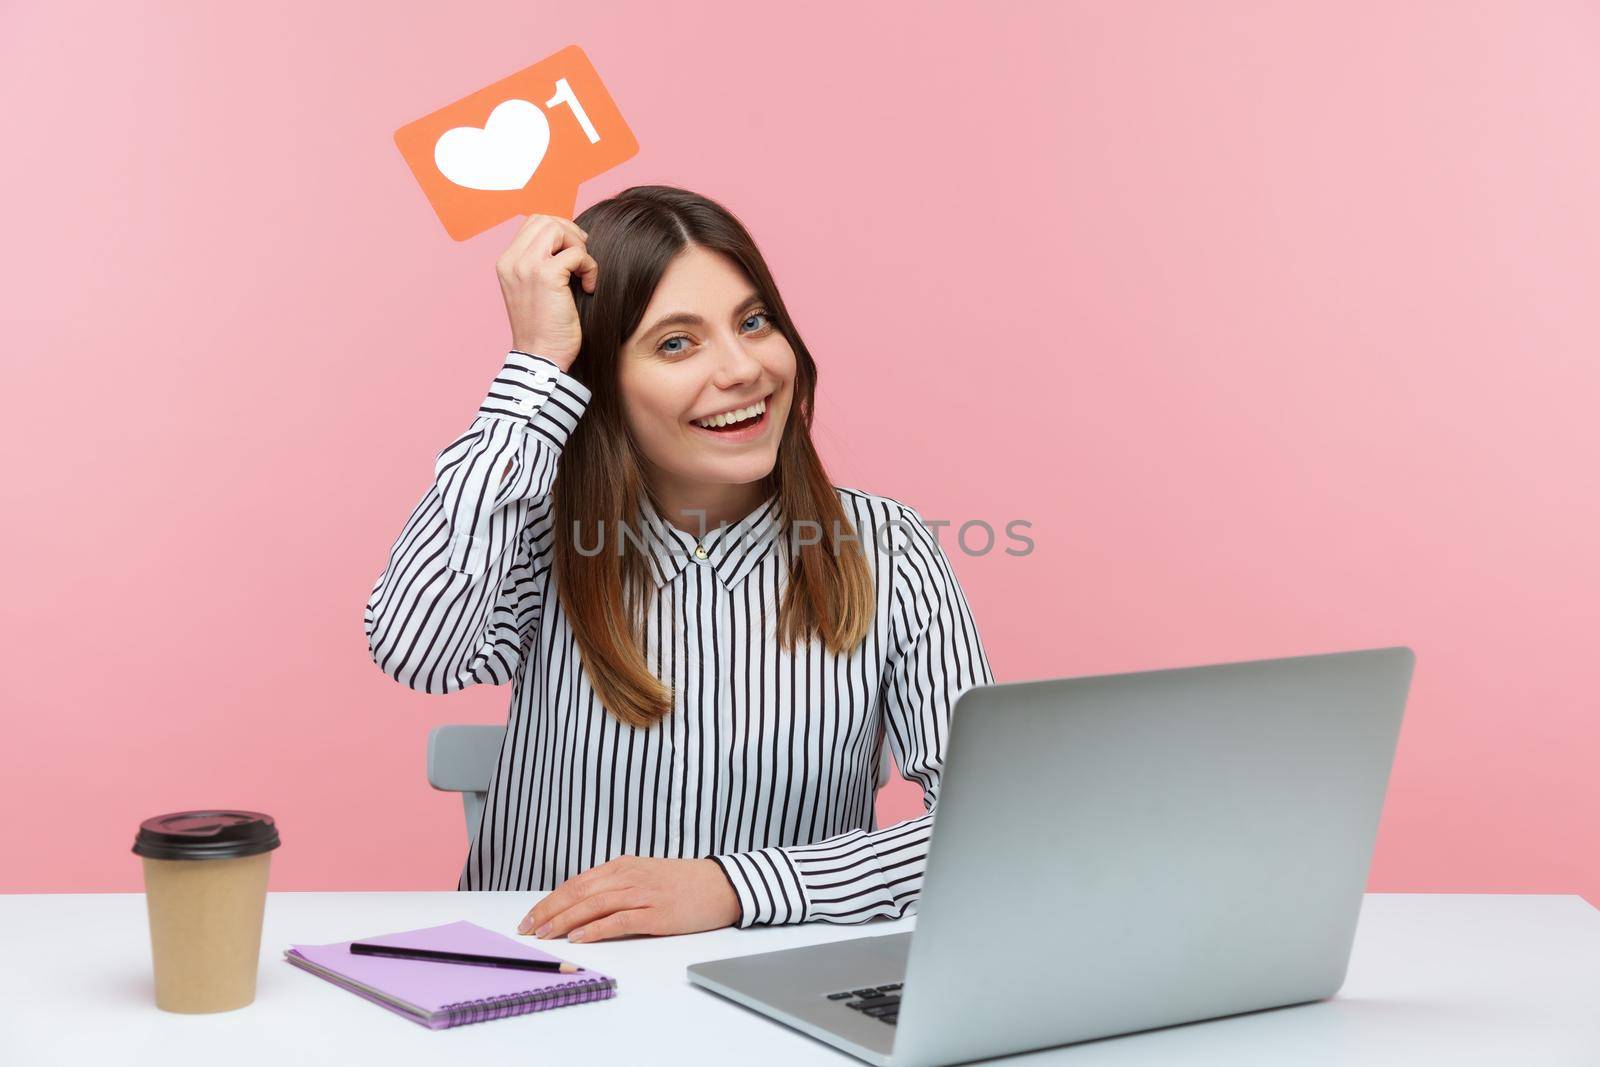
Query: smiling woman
700	702
687	368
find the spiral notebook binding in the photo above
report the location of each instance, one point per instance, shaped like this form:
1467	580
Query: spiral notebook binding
485	1008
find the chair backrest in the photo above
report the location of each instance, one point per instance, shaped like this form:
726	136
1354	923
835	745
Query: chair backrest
461	759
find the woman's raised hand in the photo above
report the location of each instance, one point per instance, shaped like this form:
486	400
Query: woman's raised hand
535	272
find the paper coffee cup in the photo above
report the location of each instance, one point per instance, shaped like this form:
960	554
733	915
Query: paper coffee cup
205	881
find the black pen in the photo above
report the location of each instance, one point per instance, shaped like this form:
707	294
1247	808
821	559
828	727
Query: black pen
360	948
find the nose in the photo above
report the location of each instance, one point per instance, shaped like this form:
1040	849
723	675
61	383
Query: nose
736	367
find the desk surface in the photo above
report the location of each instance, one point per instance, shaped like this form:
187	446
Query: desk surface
1458	979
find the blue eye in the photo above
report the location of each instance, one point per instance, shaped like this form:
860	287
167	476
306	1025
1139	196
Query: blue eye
662	347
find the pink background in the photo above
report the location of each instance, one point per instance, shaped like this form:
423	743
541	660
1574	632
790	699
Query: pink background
1278	322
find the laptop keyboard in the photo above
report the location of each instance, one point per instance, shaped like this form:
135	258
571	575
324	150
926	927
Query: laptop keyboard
882	1002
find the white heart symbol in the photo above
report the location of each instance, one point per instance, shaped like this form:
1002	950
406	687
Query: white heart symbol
502	155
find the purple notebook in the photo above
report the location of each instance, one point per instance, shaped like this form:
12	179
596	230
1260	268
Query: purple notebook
440	995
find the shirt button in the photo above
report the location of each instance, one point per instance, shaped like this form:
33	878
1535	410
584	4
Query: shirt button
700	551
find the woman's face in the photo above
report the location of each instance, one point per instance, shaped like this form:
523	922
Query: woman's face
718	351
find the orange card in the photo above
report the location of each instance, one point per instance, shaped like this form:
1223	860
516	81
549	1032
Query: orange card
518	147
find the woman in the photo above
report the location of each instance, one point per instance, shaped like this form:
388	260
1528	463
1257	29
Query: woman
707	641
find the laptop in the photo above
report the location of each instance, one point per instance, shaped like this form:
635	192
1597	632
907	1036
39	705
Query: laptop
1116	853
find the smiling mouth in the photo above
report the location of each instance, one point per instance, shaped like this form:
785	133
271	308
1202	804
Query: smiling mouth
746	423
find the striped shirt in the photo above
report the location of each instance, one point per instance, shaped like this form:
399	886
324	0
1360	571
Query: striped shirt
769	761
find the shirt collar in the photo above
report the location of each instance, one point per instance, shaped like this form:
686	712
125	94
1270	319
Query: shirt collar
731	551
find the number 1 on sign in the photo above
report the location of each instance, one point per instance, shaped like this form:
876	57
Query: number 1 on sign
564	95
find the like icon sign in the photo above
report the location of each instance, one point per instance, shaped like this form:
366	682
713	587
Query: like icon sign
521	146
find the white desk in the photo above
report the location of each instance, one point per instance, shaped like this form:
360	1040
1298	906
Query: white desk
1434	979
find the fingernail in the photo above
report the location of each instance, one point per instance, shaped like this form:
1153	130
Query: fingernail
544	931
575	935
522	927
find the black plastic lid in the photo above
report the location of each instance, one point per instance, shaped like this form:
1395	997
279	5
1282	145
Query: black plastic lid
206	835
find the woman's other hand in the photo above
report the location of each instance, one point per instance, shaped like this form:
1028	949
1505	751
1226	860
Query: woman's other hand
535	272
636	895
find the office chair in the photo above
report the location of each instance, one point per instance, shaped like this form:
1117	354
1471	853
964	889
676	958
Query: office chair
461	758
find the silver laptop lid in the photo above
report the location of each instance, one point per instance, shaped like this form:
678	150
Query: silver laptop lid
1170	845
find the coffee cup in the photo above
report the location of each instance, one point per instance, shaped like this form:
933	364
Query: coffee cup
205	881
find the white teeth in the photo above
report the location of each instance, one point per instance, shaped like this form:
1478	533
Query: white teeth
733	416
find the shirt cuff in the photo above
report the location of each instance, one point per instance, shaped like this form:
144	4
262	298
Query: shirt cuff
534	390
837	879
767	885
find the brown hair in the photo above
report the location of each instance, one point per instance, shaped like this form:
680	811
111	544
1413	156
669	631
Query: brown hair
634	236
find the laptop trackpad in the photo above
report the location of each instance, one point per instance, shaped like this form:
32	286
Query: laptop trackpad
793	983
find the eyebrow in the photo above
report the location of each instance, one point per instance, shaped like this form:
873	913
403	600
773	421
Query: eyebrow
686	318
